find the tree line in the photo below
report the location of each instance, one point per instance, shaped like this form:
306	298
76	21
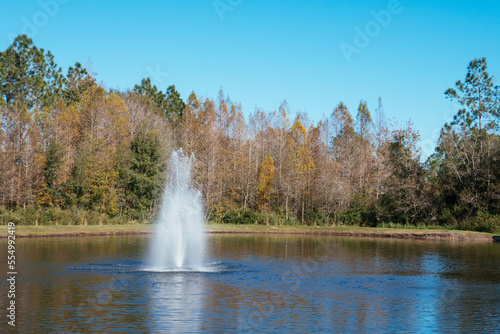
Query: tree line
74	152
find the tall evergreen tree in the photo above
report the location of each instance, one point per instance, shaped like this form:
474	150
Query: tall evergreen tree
29	75
174	105
142	175
478	95
170	103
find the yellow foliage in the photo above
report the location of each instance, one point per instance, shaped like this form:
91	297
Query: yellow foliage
43	198
67	120
266	179
300	145
104	127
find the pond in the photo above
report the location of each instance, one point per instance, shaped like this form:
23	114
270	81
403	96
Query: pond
257	283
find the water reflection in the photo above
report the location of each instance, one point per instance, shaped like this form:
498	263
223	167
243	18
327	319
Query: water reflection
259	284
175	301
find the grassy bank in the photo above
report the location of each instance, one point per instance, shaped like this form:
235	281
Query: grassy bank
76	230
75	219
89	230
354	231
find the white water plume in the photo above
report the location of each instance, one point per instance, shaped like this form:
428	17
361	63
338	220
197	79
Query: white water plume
179	239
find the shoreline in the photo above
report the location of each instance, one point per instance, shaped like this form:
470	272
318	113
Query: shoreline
363	232
458	236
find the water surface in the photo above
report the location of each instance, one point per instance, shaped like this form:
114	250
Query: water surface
258	283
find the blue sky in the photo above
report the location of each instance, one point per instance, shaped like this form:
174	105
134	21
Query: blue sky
263	52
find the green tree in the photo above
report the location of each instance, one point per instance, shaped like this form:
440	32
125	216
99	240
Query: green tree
465	165
142	175
50	192
170	103
478	95
404	199
78	80
174	105
150	90
29	75
105	130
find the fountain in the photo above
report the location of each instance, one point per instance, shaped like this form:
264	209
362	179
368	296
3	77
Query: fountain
179	242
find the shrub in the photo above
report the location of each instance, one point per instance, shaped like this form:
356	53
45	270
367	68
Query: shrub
317	217
482	222
359	212
240	217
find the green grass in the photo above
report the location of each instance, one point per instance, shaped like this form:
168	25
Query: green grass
141	228
354	229
285	228
62	229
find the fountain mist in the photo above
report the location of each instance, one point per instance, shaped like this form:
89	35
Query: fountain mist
179	240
